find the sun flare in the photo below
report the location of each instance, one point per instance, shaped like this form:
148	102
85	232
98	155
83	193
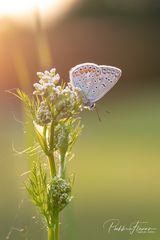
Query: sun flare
24	7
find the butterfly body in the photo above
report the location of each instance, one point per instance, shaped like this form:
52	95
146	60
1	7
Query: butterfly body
94	81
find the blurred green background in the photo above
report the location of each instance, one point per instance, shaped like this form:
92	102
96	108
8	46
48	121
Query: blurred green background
116	160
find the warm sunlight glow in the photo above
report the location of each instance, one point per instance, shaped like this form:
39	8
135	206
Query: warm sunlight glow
23	7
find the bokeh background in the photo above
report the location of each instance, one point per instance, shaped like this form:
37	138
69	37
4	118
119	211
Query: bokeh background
117	160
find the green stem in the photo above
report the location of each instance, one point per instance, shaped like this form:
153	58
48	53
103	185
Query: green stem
52	164
63	167
53	233
51	154
57	229
50	234
51	140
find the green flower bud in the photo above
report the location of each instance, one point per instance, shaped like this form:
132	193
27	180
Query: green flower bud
59	193
63	139
43	115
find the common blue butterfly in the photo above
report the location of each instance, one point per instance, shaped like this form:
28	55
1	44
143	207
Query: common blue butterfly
94	81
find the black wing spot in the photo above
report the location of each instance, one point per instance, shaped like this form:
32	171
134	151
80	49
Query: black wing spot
93	91
103	85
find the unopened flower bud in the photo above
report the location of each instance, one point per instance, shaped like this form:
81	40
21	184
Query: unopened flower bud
43	115
59	193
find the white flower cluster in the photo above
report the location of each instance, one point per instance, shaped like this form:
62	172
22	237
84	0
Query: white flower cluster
47	86
47	82
57	100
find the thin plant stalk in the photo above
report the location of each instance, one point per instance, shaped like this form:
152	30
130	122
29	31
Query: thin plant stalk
52	164
57	229
51	234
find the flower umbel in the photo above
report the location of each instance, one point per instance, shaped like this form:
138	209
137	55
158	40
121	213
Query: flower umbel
57	101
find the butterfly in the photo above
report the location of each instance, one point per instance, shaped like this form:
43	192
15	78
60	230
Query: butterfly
94	81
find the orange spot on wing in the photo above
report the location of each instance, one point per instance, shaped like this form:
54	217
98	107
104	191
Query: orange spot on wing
81	71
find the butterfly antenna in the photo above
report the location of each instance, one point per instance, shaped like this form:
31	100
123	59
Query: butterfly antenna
98	114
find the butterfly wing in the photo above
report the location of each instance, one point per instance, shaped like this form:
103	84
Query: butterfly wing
83	76
94	80
107	79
